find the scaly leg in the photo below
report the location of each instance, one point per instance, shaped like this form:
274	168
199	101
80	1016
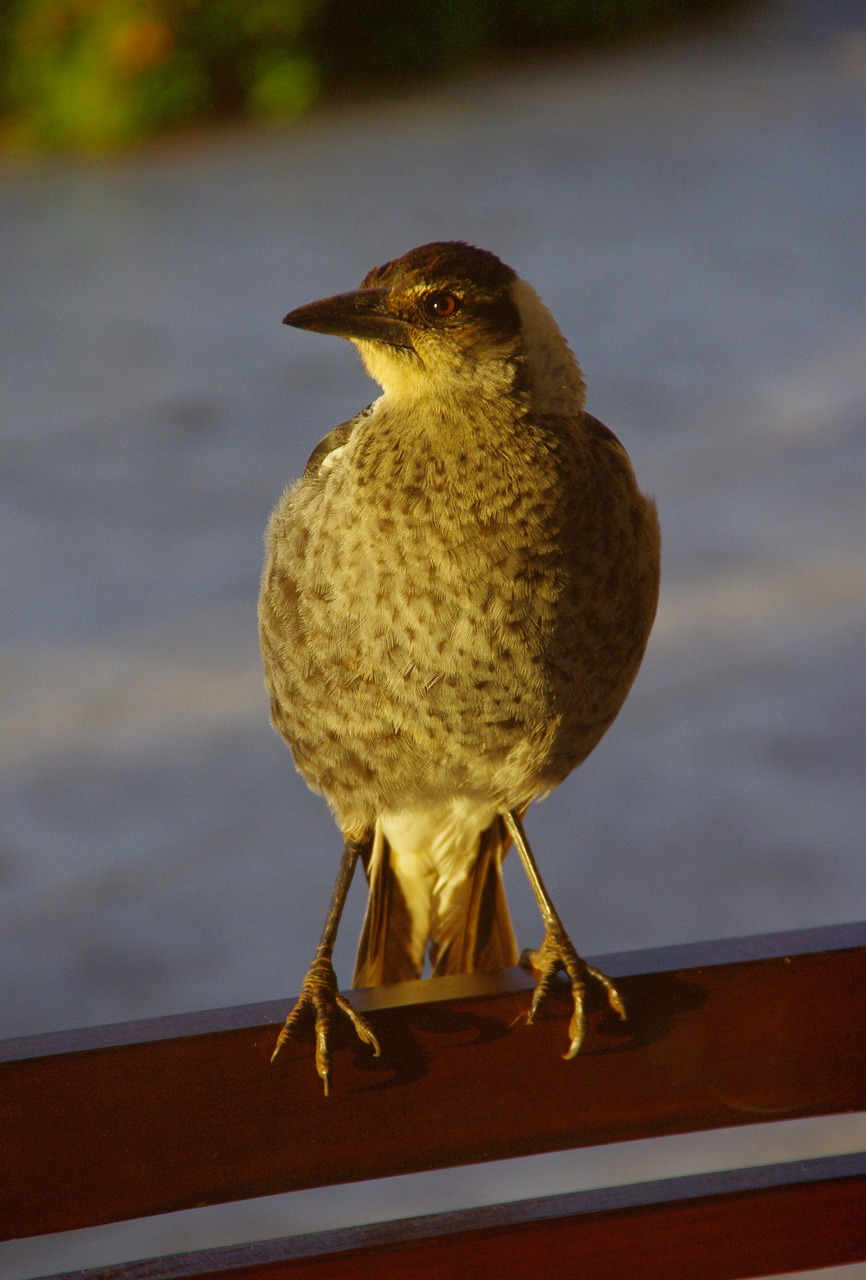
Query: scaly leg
319	992
557	950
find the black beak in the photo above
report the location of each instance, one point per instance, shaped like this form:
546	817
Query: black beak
363	314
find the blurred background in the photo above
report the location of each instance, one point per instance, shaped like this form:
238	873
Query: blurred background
688	198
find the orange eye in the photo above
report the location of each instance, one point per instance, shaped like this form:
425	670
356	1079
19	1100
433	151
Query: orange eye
441	304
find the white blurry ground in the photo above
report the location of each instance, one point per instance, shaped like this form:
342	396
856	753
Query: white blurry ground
693	214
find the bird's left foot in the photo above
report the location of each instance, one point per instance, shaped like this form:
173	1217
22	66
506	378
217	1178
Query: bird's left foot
557	952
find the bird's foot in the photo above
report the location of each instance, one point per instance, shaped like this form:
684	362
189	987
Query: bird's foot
557	952
319	996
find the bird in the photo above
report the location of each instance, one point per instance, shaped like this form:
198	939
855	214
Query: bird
456	598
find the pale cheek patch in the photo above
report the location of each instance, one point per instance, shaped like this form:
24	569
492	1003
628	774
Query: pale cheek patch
556	377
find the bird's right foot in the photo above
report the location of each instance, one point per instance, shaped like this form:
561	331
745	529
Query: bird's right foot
320	996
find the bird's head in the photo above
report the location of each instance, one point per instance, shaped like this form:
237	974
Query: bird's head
448	320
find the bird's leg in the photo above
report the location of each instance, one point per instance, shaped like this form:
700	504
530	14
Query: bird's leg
557	950
319	992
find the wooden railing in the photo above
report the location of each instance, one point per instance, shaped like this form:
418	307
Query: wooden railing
120	1122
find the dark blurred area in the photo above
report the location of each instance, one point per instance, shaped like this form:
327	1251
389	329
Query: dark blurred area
96	75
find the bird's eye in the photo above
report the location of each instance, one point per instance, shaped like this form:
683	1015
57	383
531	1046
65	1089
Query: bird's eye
441	304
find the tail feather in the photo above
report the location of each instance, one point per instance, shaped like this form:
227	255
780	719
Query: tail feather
453	909
388	949
476	935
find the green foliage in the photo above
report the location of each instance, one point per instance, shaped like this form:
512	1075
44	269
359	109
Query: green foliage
98	74
93	75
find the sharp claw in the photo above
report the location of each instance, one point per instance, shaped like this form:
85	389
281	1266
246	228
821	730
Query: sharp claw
614	999
319	996
288	1029
557	952
323	1057
542	991
363	1030
576	1029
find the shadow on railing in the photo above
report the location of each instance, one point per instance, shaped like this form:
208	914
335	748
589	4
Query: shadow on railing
125	1121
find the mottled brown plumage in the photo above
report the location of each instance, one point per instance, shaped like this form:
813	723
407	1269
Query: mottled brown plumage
456	598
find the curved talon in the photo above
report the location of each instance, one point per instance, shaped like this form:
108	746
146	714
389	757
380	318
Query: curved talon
614	999
320	996
557	952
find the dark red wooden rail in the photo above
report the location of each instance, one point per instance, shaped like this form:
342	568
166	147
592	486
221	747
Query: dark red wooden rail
120	1122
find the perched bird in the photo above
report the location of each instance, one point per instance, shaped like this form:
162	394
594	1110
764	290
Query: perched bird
456	598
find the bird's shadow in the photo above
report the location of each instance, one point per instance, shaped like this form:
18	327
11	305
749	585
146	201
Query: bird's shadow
655	1003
